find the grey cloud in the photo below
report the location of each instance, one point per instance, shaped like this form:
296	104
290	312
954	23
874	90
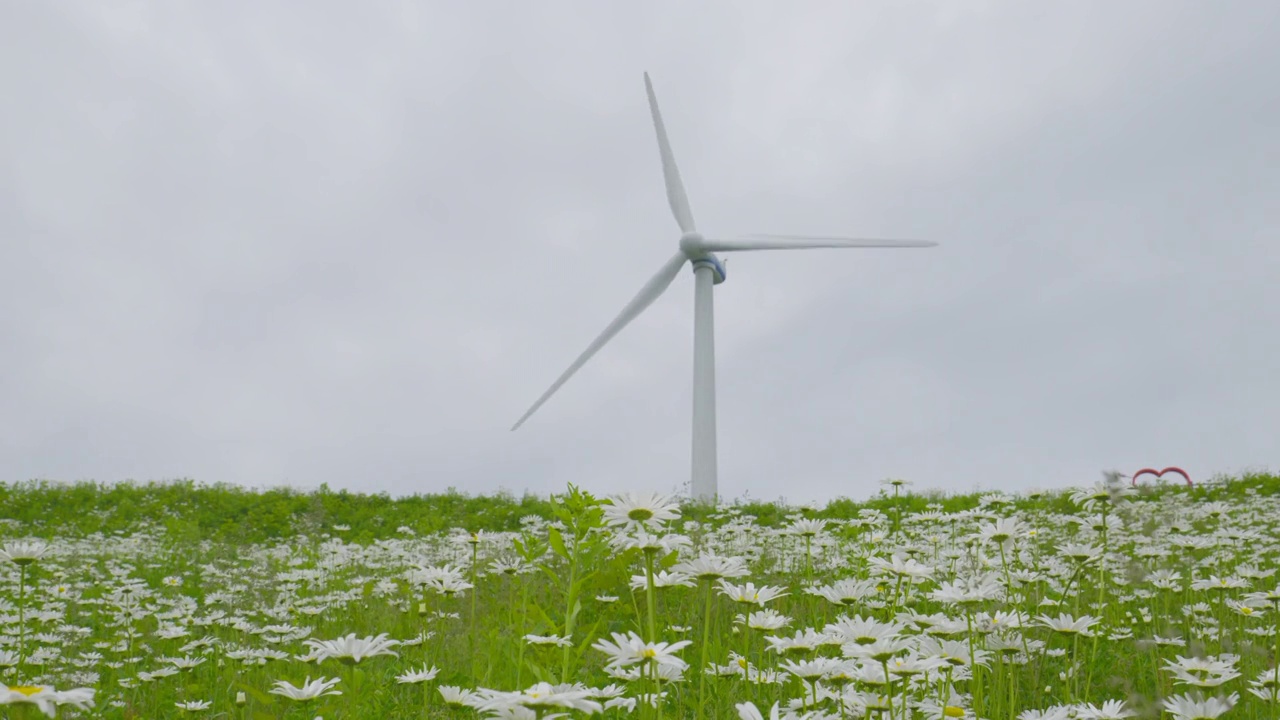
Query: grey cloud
252	244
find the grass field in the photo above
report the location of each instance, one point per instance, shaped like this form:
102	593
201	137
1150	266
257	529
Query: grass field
185	600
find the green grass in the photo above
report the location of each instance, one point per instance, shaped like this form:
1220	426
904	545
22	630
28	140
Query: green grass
236	569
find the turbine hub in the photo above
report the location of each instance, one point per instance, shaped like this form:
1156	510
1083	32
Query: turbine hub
691	245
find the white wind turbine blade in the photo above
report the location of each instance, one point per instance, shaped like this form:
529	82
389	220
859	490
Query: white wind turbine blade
651	291
805	242
675	189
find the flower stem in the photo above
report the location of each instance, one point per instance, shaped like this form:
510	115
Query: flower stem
22	617
702	667
649	597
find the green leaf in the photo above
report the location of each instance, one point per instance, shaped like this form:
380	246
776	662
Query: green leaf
576	588
552	574
538	671
557	544
561	512
256	694
544	617
587	641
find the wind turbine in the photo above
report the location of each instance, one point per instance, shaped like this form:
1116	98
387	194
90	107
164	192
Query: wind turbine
708	271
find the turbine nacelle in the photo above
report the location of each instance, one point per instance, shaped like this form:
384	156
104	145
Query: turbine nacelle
694	247
717	266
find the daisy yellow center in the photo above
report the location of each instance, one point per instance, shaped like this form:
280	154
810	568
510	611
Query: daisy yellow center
27	690
953	711
650	653
640	514
1246	610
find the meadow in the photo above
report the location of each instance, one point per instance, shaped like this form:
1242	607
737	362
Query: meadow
167	600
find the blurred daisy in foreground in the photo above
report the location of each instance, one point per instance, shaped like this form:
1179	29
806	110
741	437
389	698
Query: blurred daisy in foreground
1198	707
46	698
749	711
23	552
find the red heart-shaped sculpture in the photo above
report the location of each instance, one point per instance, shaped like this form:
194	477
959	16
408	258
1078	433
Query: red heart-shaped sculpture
1160	473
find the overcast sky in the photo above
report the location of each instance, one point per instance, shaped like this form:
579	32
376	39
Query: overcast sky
352	243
